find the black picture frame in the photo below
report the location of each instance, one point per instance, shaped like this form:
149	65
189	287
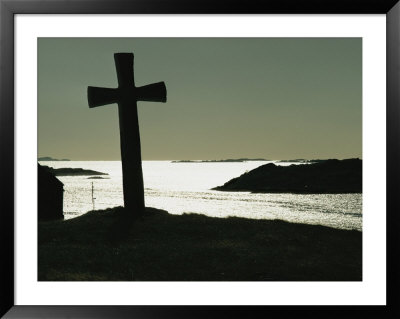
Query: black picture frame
8	10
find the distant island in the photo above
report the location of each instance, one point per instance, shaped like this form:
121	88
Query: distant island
97	177
67	171
328	176
48	158
221	160
302	160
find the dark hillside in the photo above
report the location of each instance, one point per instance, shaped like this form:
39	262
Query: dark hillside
330	176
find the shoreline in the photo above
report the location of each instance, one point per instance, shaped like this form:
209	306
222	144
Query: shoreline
279	191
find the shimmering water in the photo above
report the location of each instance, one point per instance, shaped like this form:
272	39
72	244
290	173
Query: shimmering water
185	187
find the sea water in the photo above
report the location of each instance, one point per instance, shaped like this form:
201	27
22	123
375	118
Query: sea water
186	188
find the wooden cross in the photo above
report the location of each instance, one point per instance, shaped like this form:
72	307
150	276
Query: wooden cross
126	95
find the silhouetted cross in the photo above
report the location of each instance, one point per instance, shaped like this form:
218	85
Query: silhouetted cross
126	95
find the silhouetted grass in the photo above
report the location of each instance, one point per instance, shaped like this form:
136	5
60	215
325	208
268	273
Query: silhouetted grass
106	245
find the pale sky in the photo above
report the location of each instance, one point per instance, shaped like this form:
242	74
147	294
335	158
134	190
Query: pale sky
275	98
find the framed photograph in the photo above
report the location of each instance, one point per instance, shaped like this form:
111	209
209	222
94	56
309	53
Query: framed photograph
268	178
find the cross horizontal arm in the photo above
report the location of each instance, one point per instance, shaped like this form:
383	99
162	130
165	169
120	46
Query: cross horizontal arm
156	92
101	96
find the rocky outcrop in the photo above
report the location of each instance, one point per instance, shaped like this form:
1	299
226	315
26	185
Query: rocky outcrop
72	171
330	176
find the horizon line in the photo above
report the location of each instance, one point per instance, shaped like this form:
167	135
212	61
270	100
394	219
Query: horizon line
222	159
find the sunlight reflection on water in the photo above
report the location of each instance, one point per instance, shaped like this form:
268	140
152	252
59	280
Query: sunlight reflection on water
185	188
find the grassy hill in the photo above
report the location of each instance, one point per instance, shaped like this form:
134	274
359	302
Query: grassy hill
105	245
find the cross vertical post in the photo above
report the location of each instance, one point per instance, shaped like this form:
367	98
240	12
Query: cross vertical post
126	96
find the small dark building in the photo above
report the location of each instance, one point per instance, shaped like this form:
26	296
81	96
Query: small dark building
50	195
